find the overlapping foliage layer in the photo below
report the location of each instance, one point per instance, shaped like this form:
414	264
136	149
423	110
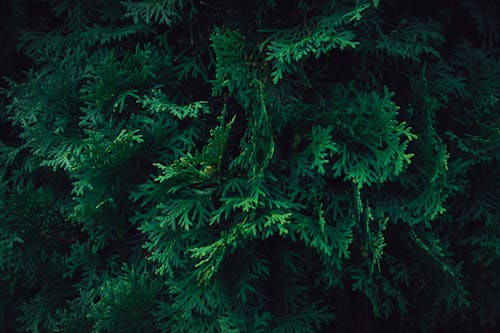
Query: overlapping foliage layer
258	166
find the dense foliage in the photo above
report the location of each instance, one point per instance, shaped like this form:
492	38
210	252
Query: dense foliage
249	166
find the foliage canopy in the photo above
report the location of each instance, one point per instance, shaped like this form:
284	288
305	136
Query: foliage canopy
260	166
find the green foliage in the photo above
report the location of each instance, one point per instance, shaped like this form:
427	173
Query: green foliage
124	303
411	40
287	47
162	12
267	166
372	143
159	103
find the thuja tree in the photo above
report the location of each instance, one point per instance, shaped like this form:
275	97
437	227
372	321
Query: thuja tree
257	166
